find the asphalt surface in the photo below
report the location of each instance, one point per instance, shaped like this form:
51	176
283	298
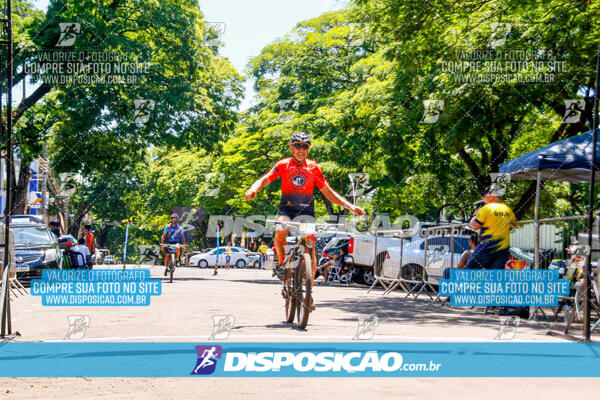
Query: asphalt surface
252	298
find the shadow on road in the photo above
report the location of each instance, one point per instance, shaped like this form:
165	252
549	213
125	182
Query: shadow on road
402	310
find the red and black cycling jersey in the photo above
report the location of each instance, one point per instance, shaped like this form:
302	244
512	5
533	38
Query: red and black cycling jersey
297	183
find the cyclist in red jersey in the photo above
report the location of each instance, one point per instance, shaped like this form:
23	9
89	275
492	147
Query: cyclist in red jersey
299	176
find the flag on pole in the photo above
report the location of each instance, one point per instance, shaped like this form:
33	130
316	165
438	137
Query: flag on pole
125	247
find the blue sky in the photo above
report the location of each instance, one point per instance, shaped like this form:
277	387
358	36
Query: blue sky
252	24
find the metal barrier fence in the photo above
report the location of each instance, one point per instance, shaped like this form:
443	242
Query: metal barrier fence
417	264
552	235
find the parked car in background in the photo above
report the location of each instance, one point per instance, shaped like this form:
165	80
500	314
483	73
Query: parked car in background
409	261
108	260
253	259
36	247
240	257
362	254
66	238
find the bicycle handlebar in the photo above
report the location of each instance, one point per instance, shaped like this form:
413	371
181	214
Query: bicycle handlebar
298	224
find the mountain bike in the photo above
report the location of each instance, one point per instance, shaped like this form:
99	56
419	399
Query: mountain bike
171	251
300	272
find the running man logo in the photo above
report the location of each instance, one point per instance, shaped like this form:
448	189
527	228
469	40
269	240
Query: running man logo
77	326
68	33
222	325
436	255
214	33
581	250
143	109
500	182
285	105
366	327
212	184
500	32
359	182
207	359
149	255
433	109
508	327
573	110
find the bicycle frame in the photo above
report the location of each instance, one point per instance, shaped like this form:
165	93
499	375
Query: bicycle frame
171	252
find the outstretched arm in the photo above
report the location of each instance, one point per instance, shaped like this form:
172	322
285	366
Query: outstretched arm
257	187
335	198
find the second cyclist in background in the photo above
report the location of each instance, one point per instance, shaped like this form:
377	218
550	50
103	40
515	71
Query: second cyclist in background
172	234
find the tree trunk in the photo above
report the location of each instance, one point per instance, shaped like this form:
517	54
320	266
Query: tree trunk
19	199
103	236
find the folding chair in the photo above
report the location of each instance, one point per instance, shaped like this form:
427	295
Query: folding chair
336	273
77	259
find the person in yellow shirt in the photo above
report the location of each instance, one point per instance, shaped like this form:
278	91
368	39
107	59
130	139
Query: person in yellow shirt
263	253
493	221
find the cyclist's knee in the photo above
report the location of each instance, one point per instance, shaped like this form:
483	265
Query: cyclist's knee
281	234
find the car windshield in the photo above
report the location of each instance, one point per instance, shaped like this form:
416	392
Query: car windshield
25	235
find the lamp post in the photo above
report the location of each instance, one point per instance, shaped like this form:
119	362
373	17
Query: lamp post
588	265
6	328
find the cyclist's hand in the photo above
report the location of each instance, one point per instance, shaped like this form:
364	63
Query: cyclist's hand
357	210
250	194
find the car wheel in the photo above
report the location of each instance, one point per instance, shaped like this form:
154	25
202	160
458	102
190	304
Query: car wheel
255	265
240	264
412	272
202	264
368	277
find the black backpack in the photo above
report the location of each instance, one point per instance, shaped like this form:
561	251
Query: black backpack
77	259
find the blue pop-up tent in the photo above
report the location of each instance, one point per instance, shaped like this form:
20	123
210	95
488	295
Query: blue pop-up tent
568	160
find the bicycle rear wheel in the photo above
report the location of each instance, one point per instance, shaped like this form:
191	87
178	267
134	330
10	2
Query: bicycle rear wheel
290	299
303	308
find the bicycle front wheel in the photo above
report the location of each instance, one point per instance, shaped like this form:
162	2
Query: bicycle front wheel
304	306
171	268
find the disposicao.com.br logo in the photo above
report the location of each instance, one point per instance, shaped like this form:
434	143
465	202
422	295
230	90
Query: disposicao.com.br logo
315	363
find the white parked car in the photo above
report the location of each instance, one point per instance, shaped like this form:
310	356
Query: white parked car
109	260
409	261
240	257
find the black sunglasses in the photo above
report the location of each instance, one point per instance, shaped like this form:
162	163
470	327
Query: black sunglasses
300	146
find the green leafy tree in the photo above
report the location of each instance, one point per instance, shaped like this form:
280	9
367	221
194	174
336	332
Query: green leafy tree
92	127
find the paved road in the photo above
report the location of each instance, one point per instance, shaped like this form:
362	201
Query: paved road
185	309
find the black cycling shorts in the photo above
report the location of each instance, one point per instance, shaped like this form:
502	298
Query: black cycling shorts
293	214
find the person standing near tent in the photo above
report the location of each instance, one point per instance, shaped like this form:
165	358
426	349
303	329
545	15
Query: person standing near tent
493	221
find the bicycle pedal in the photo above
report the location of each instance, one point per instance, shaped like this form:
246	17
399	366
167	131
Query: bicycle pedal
281	274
